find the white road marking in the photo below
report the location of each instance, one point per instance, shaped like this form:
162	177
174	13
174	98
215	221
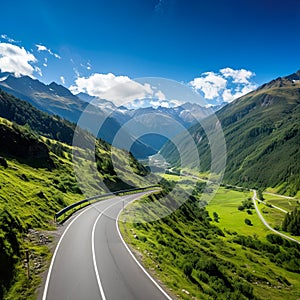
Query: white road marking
134	258
55	253
94	252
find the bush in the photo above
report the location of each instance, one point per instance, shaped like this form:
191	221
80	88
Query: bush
275	239
248	222
187	269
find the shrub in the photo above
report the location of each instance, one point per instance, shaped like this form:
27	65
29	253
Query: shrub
248	222
187	269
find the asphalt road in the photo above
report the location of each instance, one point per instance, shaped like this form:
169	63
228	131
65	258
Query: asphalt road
254	198
91	260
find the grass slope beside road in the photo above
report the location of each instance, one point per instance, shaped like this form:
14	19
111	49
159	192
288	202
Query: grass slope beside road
266	223
198	257
37	179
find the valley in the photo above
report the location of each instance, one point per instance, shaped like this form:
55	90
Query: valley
208	252
195	249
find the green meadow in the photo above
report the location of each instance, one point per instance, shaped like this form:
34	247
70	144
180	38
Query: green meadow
212	253
225	204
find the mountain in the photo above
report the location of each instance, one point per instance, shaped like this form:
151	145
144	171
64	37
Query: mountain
23	113
262	134
58	100
161	123
37	179
167	122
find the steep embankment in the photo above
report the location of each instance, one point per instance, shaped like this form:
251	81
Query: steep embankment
36	180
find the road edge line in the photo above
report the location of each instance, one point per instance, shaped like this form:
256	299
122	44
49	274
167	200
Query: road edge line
135	259
94	252
55	253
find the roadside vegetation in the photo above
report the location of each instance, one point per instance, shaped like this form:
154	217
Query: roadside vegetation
210	253
262	136
281	213
37	179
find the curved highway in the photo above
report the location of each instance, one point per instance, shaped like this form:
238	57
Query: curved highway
254	198
91	260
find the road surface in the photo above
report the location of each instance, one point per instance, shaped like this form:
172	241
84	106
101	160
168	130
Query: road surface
91	260
254	198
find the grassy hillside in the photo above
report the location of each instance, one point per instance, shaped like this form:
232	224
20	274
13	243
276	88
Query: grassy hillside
262	134
23	113
211	253
57	100
36	180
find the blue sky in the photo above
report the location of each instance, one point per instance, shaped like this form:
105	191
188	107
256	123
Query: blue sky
194	42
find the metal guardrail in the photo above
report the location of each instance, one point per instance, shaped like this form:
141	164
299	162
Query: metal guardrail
88	200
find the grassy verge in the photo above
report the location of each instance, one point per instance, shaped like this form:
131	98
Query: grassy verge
30	195
196	257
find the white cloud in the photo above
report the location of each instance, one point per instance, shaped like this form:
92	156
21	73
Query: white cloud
10	40
210	84
239	76
156	103
62	79
16	60
88	66
119	89
226	85
38	70
44	48
41	48
76	72
160	95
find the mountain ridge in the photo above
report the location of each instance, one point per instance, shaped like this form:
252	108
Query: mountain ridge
55	99
58	100
262	134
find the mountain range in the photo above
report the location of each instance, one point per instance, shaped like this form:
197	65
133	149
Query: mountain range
260	128
37	175
58	100
262	134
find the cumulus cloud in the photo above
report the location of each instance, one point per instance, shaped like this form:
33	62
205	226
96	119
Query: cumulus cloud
17	60
210	84
226	85
239	76
160	95
119	89
157	103
44	48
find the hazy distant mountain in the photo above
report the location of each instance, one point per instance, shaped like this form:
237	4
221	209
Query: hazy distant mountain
160	123
58	100
168	121
262	134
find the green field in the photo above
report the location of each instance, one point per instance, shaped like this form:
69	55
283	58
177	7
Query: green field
225	204
284	203
196	258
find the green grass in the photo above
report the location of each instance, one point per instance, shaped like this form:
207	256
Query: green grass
262	140
226	203
186	237
171	177
31	195
284	203
273	216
